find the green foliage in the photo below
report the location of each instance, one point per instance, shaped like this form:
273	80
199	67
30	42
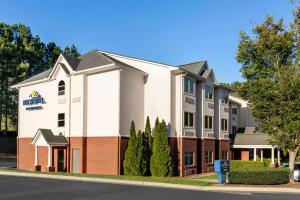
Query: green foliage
161	160
148	132
142	157
260	177
21	55
236	165
148	145
272	77
130	161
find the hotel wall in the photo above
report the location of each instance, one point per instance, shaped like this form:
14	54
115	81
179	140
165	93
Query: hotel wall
157	91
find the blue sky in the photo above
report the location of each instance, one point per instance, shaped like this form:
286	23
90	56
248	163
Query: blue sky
169	31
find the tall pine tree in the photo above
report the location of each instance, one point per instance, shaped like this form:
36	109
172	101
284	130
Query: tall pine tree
161	160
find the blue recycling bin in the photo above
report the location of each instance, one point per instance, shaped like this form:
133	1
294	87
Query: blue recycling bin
221	167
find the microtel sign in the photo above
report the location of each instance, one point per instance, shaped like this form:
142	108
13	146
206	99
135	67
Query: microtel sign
35	100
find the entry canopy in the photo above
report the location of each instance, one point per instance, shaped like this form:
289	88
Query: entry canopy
45	137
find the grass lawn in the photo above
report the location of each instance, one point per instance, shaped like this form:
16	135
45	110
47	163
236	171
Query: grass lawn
208	176
171	180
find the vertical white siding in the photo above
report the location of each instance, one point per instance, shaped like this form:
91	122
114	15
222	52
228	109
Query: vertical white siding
131	100
103	104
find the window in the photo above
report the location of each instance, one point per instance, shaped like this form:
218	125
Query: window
224	96
61	88
208	157
234	111
188	119
189	85
208	92
208	122
234	129
224	124
189	158
224	155
61	119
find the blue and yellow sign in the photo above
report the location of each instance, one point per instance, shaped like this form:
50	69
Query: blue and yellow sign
34	101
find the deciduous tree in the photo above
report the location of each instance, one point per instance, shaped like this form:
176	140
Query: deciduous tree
270	66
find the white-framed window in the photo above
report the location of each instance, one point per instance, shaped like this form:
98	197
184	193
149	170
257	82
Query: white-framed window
189	86
224	155
61	120
209	92
234	129
188	119
224	124
224	96
189	158
61	88
208	122
234	111
209	157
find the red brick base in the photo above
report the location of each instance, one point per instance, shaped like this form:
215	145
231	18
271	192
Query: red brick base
105	155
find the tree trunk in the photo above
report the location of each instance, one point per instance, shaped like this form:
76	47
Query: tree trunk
292	157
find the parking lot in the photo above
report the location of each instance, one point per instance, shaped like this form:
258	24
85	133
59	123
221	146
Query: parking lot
8	162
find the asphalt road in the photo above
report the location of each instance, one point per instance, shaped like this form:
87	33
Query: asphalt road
24	188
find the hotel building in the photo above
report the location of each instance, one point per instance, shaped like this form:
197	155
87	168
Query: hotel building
76	116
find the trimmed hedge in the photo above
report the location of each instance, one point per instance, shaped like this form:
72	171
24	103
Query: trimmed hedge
260	177
236	165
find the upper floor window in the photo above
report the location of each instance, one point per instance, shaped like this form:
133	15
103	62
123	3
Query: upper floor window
224	96
234	111
61	88
209	93
189	85
234	129
188	119
224	124
208	123
61	119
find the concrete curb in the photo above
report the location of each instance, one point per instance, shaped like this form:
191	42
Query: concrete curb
155	184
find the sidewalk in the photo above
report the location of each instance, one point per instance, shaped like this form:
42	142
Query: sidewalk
237	189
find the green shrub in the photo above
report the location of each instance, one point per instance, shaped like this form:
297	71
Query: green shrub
246	165
130	163
161	160
260	177
297	159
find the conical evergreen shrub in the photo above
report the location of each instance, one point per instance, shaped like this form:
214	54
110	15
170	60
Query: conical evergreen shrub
161	160
130	160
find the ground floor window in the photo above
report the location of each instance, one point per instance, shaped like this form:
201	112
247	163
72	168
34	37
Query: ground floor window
224	155
208	157
189	158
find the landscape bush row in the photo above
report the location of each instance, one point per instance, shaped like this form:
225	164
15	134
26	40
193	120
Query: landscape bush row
236	165
148	153
259	176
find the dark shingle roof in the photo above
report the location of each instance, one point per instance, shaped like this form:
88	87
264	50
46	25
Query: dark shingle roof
37	77
250	139
194	67
92	59
51	138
